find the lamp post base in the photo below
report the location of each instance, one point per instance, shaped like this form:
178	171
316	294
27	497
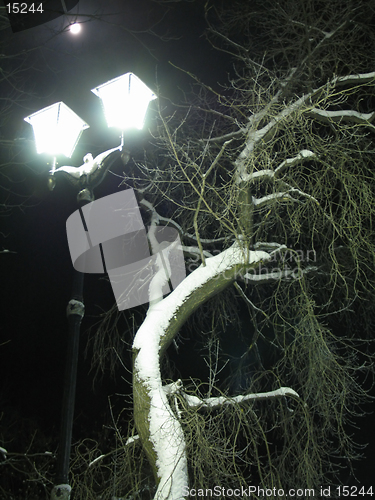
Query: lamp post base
61	492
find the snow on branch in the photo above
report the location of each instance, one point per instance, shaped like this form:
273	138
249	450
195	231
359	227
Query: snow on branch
347	115
266	133
303	155
269	245
225	137
159	317
194	251
282	196
360	79
266	200
194	401
157	426
132	439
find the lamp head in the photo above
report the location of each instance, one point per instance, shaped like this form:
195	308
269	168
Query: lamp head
57	129
125	101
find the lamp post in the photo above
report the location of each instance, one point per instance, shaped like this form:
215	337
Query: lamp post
57	130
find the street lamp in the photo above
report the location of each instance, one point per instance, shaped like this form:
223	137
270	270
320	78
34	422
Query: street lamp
125	101
57	130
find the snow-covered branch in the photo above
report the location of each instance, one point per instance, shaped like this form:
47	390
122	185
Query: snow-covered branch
303	155
229	135
267	246
266	133
160	432
347	115
190	251
260	175
222	266
360	79
130	440
194	401
269	198
282	196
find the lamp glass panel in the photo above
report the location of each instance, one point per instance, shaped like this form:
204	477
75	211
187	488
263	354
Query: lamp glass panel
57	129
125	101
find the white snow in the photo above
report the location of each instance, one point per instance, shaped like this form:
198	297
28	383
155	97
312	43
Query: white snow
195	251
289	162
355	79
164	311
132	439
282	195
256	137
89	166
302	155
346	114
259	174
193	401
97	459
262	135
258	202
224	400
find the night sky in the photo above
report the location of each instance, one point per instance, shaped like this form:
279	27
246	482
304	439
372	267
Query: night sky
36	267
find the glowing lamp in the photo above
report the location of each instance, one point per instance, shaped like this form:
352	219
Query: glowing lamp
125	101
57	129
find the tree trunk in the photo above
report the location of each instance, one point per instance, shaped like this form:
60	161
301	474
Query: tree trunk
158	426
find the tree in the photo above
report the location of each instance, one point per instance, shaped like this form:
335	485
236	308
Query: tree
271	186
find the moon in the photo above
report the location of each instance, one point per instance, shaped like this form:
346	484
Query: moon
75	28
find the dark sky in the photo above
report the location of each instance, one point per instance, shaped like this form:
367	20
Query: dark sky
36	274
140	36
